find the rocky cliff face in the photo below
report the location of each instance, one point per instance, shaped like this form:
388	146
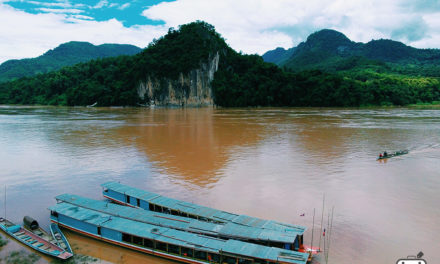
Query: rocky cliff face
192	89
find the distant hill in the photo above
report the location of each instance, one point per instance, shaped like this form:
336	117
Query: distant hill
331	51
66	54
193	65
278	55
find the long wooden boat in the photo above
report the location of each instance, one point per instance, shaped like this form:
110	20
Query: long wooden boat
290	241
166	242
37	239
134	197
59	237
394	154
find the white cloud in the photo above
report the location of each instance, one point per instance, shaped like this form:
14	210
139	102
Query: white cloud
51	4
101	4
61	11
433	38
124	6
257	26
82	17
248	25
24	35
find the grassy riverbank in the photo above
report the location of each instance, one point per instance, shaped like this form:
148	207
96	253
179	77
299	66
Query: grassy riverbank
16	256
21	257
3	242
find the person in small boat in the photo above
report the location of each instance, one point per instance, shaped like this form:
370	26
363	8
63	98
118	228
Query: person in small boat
380	155
385	154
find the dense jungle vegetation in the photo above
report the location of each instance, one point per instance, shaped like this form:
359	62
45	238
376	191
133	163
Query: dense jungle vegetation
326	70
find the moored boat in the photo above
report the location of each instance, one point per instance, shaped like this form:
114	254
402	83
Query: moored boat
34	237
166	242
59	237
134	197
290	241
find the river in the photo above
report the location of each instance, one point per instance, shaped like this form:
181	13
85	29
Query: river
274	163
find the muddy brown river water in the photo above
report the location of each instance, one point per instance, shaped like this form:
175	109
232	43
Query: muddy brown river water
274	163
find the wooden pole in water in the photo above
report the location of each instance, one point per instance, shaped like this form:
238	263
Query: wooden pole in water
324	247
313	227
5	202
326	238
329	235
322	220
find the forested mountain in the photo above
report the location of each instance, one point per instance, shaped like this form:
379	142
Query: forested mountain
66	54
168	71
192	65
331	51
278	55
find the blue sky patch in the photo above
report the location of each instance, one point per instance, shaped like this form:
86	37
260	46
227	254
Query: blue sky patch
127	12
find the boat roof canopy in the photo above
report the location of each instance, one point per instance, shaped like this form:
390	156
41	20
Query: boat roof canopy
202	211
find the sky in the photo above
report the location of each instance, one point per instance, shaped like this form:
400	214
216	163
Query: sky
30	28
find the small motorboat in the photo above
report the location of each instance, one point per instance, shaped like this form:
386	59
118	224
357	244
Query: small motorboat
59	237
34	237
386	155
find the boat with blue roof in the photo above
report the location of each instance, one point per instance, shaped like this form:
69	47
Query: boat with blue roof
134	197
167	242
229	230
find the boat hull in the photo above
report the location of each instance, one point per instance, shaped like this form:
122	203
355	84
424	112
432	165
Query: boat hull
60	238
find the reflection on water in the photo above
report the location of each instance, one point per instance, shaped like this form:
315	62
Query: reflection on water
190	144
270	163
